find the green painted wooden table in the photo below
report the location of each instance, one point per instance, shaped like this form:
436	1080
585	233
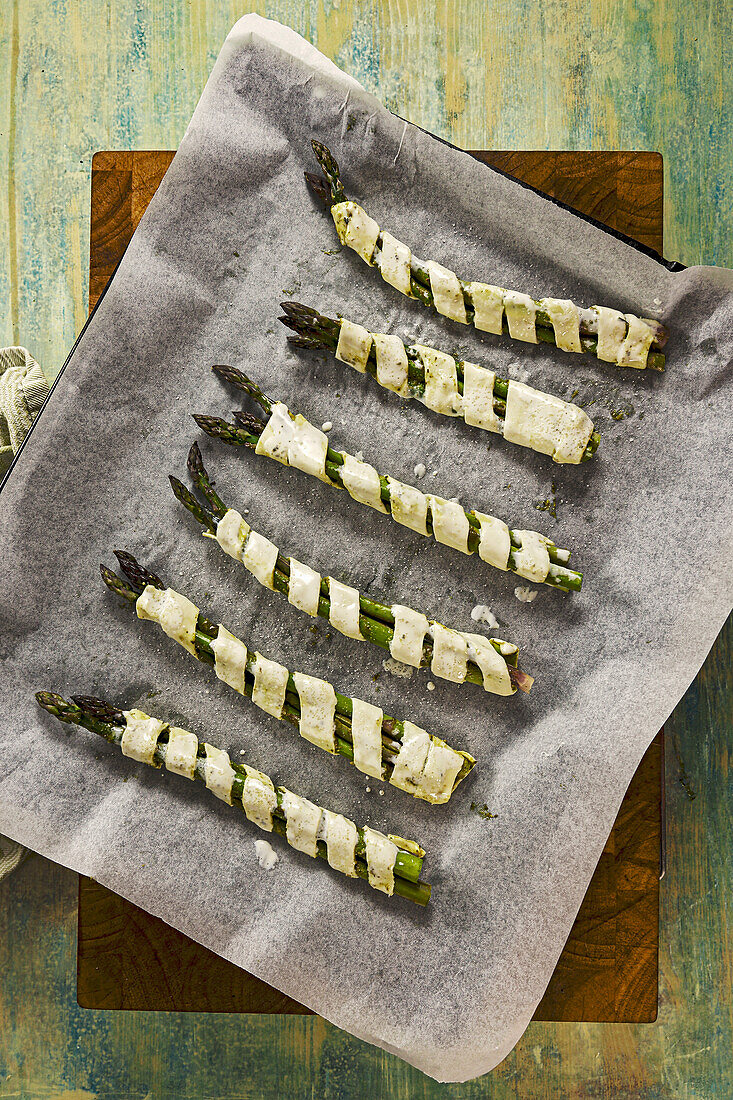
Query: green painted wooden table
78	75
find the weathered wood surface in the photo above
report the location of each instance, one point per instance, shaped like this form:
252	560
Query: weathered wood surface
78	75
608	970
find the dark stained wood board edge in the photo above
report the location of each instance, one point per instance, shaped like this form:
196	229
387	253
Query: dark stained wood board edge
128	959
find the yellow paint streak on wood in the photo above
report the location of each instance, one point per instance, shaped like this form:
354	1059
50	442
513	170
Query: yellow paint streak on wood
515	90
604	28
41	1090
82	55
11	186
490	87
400	79
453	31
76	269
334	27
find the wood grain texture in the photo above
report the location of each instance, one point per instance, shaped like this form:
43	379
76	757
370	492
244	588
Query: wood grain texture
128	959
624	190
604	74
608	970
80	75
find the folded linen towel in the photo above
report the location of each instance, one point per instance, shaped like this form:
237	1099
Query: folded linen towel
23	389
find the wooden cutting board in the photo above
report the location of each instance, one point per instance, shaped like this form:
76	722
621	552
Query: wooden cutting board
608	969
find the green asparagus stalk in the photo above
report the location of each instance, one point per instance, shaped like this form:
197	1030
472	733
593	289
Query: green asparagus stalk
109	722
331	191
248	428
376	621
314	330
138	578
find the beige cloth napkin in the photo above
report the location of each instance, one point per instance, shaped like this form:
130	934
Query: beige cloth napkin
23	389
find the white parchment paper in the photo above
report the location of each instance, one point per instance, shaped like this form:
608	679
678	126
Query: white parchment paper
231	232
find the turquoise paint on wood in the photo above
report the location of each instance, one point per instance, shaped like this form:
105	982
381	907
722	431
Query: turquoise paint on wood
81	75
